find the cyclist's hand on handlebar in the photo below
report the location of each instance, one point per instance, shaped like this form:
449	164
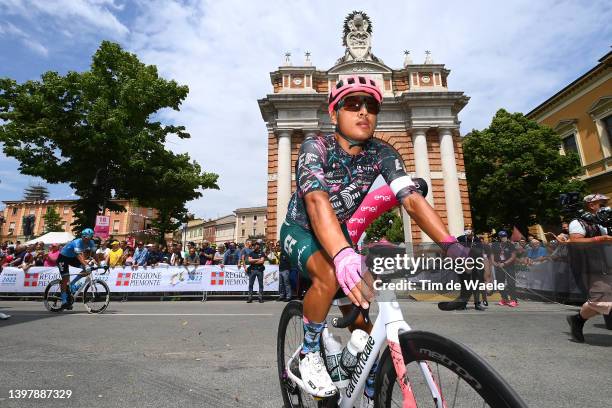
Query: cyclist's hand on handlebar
349	276
453	249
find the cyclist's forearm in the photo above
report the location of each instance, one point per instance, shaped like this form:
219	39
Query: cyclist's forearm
81	259
324	223
581	238
425	216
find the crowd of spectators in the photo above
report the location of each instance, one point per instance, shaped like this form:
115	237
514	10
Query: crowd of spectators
25	256
504	258
118	253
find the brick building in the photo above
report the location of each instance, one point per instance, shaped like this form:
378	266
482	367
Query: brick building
581	113
418	119
195	231
225	229
199	230
122	224
250	221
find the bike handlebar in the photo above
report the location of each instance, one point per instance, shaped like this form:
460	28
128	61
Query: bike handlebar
95	268
345	321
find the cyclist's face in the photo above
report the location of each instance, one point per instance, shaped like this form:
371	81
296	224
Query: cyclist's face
358	125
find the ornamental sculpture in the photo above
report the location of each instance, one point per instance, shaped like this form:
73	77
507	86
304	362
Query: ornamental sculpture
357	38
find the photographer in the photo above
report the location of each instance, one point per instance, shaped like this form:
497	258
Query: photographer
504	258
587	258
476	274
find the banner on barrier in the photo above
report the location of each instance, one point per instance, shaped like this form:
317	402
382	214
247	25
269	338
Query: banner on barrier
209	278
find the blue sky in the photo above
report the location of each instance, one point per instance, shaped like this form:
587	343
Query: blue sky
513	55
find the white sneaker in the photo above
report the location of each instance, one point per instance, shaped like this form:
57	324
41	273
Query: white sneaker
366	402
315	376
4	316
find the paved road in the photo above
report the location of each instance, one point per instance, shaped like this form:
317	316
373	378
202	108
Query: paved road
222	353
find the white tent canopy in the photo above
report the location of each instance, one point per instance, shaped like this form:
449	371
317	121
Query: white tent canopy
53	238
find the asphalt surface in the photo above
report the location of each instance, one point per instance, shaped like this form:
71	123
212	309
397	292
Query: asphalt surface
221	353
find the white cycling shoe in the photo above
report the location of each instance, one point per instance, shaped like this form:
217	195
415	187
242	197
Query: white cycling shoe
315	376
4	316
366	402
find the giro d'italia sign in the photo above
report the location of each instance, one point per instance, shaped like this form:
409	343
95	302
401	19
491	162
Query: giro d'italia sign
209	278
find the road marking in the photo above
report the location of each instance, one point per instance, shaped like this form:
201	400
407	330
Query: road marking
179	314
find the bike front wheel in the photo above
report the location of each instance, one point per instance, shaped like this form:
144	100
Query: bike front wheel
53	296
462	377
96	296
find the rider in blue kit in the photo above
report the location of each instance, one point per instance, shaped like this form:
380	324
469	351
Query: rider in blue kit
72	255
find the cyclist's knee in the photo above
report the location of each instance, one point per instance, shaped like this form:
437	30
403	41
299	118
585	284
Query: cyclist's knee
322	274
326	286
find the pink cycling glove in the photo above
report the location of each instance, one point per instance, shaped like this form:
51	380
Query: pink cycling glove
453	249
348	269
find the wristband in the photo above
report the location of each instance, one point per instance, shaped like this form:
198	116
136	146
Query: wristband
342	249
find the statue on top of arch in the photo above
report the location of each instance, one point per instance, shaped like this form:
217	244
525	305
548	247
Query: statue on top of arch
357	38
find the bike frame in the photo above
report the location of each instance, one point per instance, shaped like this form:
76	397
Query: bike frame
89	279
389	325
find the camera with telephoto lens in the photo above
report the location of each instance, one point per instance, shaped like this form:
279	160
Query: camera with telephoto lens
604	217
572	207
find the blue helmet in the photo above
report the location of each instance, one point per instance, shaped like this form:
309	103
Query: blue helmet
87	233
502	234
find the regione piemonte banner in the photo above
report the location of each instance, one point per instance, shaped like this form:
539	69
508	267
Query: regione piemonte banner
209	278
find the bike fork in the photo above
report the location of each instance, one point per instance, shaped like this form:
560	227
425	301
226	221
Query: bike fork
391	313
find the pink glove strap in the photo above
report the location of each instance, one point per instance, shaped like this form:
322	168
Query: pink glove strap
348	268
449	239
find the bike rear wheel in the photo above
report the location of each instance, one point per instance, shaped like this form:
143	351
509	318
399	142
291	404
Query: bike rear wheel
52	298
462	377
96	296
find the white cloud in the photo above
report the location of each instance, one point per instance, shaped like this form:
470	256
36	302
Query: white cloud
72	16
501	55
36	47
25	38
9	28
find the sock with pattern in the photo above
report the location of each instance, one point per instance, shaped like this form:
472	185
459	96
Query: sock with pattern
312	335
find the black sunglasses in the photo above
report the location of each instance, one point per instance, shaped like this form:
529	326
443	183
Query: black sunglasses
353	103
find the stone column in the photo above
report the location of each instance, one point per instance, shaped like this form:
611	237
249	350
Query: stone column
421	165
407	231
454	208
283	179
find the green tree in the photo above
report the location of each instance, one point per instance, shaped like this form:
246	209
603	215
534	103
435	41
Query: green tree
96	131
170	190
53	221
388	224
515	173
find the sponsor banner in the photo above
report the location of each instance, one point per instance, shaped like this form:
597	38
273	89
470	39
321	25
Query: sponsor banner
163	278
102	227
374	204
